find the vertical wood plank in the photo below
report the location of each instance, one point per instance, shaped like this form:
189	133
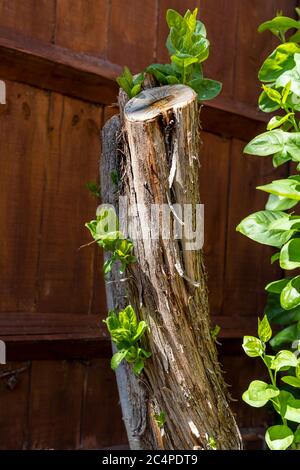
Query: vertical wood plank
247	266
82	25
214	160
33	18
55	407
65	272
102	424
132	33
14	389
23	135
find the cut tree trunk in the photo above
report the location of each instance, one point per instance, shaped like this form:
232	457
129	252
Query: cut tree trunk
154	147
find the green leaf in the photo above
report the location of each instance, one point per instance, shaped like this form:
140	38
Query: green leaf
279	24
266	143
160	419
138	366
288	188
277	121
266	104
252	346
290	295
112	321
142	327
172	80
276	286
277	314
279	437
161	72
117	359
286	336
297	436
280	158
291	380
285	92
94	188
290	254
131	316
135	90
274	142
280	203
284	359
273	94
174	19
279	61
259	393
291	76
205	88
292	412
264	329
275	257
258	227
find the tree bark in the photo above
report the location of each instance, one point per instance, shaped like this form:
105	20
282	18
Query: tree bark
156	154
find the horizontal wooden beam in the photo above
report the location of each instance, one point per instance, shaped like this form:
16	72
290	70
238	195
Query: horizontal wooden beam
81	336
51	67
55	68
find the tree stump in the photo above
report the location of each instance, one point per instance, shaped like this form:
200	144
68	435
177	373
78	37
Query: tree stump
157	161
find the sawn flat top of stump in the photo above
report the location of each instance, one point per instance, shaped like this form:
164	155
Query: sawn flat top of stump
152	102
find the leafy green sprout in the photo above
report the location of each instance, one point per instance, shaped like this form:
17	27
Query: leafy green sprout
94	189
188	47
126	332
112	241
259	393
160	419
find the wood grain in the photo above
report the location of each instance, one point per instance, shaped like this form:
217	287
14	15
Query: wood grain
55	404
65	272
23	133
82	25
33	18
132	33
214	172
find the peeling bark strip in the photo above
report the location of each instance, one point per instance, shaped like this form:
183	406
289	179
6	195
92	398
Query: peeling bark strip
159	164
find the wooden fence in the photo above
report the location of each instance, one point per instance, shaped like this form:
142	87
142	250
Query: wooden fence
59	59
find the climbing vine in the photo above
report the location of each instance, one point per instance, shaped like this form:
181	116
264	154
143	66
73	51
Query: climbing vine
279	227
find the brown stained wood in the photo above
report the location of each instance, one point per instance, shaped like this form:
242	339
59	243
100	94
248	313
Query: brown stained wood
55	404
33	18
102	424
66	273
23	134
82	25
220	18
254	47
14	387
39	324
247	266
132	33
214	171
52	67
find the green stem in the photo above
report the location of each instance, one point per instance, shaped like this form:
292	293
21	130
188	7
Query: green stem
296	127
